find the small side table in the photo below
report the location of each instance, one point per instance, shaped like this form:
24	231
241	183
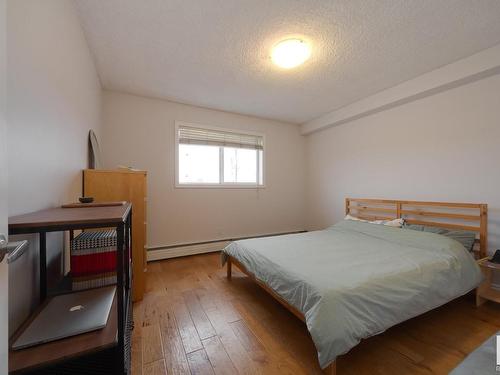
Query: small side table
104	351
485	292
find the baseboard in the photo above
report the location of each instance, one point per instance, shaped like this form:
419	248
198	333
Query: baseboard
174	251
181	251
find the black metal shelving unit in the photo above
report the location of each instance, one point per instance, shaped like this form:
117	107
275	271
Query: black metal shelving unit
106	351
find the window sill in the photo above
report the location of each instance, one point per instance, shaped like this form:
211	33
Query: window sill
217	186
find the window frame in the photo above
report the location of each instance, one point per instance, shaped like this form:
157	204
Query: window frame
221	184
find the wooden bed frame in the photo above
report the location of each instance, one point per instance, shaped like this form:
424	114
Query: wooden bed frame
462	216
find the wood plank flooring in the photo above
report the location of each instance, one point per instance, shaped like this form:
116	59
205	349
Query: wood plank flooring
193	321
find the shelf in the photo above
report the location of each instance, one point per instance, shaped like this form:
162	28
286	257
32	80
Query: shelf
72	350
74	346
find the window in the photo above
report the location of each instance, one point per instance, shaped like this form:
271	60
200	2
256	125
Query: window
217	157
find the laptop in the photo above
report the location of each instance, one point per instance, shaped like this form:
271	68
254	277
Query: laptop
68	315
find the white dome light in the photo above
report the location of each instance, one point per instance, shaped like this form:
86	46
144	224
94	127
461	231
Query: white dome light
290	53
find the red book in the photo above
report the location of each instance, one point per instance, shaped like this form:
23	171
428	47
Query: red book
90	264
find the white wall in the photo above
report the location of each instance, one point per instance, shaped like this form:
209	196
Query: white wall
53	99
444	147
139	132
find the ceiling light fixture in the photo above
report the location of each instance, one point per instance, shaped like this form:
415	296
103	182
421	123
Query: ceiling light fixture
290	53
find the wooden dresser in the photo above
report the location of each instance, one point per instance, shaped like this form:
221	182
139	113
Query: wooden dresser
131	186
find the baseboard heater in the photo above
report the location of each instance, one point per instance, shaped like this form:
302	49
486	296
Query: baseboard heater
180	250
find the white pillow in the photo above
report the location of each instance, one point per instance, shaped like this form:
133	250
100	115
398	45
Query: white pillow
398	223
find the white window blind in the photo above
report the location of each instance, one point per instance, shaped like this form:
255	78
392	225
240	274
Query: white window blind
211	137
214	157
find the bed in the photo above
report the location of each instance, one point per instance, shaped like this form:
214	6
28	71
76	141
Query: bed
356	279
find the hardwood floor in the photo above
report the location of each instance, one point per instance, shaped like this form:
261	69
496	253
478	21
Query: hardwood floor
193	321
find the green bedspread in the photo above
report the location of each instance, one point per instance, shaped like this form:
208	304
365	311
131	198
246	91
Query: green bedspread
354	279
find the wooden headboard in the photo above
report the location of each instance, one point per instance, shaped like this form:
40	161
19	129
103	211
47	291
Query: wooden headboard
464	216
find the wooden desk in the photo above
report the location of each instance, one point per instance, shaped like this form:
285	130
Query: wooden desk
115	337
52	219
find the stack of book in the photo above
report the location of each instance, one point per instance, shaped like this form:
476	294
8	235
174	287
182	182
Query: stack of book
93	259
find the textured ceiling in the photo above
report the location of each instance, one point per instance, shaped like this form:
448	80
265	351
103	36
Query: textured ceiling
215	53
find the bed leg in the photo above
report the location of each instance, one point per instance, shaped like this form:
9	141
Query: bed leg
229	269
332	369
